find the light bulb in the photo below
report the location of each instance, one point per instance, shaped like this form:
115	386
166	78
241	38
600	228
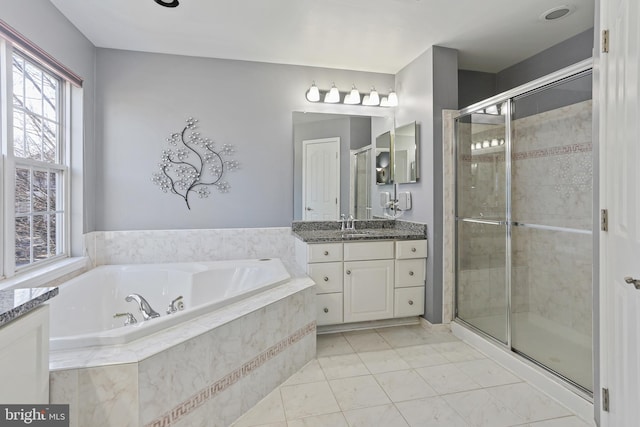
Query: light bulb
384	102
393	99
333	95
353	97
494	142
313	94
373	98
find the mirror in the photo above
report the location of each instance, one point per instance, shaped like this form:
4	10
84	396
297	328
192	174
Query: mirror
383	158
405	154
325	187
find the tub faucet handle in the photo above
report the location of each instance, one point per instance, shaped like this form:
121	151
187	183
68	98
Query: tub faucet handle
175	305
143	305
130	320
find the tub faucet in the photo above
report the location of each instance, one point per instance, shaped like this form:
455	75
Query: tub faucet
143	305
175	305
130	318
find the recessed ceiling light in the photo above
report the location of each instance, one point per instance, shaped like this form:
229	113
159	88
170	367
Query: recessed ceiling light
557	13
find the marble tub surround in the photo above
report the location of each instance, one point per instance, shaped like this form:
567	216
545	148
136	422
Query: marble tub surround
18	302
206	373
330	231
157	246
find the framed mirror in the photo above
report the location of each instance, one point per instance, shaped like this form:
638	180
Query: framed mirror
405	154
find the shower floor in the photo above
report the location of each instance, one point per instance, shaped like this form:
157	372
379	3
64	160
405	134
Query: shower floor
557	347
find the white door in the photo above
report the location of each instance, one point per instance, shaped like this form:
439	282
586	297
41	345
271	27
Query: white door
620	194
321	179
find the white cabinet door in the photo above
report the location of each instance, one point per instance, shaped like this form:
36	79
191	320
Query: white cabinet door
368	290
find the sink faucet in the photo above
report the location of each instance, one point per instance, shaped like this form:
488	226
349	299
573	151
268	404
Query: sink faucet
343	222
351	223
143	305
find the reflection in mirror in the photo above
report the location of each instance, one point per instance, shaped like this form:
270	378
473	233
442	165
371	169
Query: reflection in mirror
354	176
405	152
383	159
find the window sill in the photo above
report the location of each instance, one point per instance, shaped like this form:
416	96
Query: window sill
47	274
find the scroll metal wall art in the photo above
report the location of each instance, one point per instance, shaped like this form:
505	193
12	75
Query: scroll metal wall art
193	164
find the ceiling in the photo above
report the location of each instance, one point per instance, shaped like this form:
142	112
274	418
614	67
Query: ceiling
365	35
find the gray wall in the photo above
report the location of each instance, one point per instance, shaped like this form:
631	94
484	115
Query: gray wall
144	97
425	87
475	86
40	22
563	54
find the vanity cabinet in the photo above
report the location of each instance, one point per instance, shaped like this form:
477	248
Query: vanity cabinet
24	359
324	265
365	280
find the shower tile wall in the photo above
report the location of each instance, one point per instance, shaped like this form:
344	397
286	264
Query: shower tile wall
551	185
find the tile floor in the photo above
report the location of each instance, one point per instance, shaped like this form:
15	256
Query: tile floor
405	376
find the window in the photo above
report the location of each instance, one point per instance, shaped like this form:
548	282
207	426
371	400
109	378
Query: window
35	92
38	158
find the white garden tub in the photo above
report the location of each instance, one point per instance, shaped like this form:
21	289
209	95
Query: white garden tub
82	315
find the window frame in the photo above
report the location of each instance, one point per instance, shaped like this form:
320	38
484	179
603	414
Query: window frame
10	163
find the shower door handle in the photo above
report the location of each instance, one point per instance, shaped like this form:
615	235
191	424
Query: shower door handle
632	281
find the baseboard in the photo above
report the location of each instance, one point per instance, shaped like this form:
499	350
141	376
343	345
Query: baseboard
373	324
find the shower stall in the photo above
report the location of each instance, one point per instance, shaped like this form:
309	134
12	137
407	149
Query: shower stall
523	222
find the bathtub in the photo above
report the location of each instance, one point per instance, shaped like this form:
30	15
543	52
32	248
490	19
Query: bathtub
82	315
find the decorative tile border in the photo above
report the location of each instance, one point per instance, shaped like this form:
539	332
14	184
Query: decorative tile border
533	154
209	392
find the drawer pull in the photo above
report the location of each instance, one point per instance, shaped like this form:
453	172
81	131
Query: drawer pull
411	273
348	271
326	253
410	302
326	279
326	310
413	249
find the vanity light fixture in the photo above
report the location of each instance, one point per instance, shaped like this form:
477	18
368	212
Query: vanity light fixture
353	97
313	94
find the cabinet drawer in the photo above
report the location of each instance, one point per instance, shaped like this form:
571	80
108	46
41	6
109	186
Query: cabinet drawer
410	272
411	249
329	308
408	302
362	251
327	275
325	252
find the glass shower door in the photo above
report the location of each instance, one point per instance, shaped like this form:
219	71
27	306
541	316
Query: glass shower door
482	298
551	213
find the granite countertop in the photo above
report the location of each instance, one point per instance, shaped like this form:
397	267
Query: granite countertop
17	302
330	231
